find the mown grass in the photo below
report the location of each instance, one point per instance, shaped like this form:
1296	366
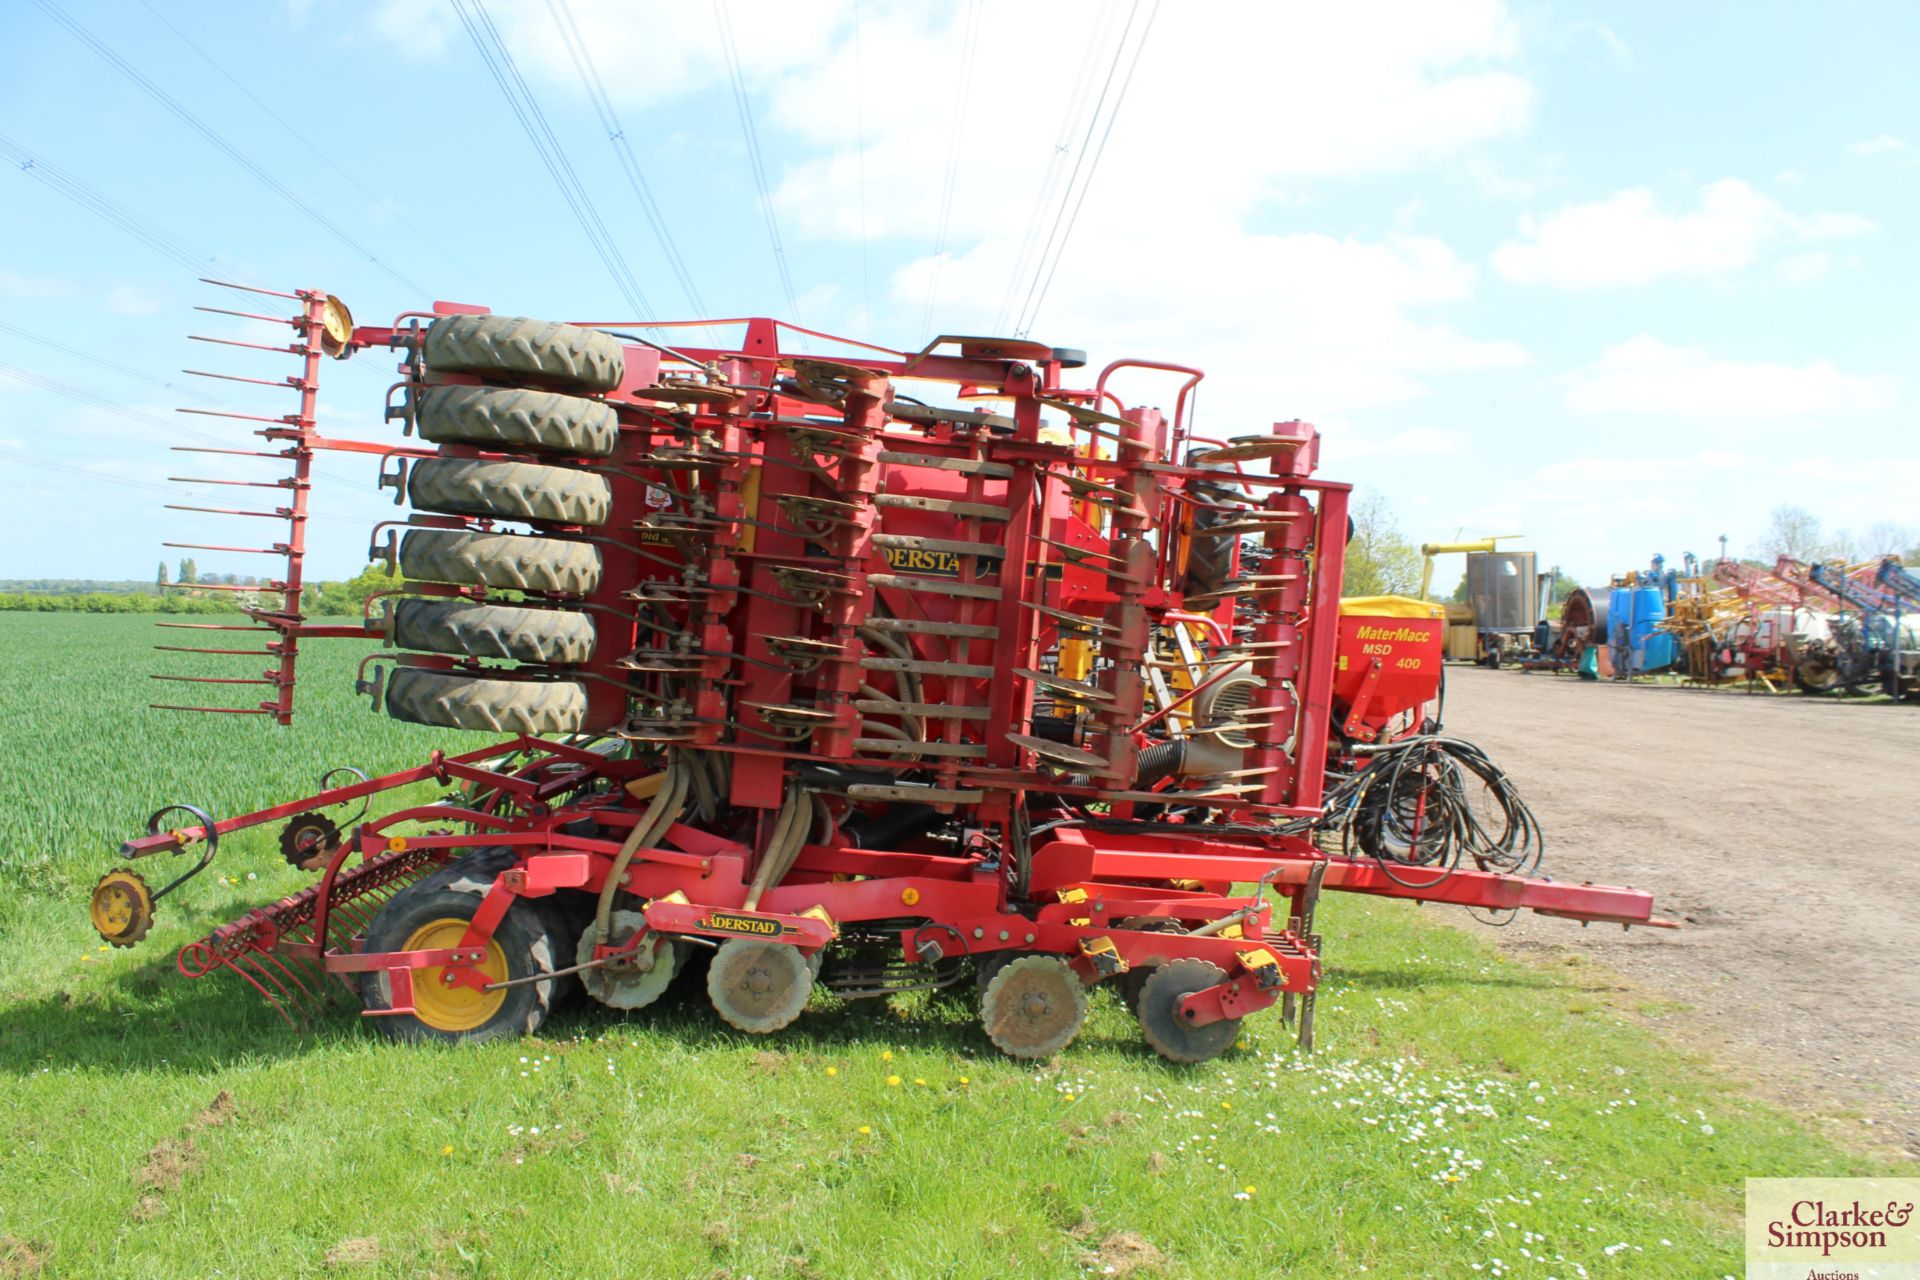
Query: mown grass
1463	1116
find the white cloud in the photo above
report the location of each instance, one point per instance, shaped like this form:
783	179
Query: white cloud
26	288
1884	144
1628	240
126	300
1644	375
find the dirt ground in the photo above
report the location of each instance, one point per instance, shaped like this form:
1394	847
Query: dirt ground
1777	828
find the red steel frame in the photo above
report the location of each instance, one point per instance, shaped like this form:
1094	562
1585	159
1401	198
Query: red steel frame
760	437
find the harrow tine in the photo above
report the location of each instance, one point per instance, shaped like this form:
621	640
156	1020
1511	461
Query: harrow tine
234	377
232	711
273	1002
250	288
288	350
280	421
213	679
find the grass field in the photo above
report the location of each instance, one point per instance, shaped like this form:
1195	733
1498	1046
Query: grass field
1464	1115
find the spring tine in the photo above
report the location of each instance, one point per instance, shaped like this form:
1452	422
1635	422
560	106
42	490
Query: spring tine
182	648
282	964
288	350
232	711
283	456
282	514
287	483
248	315
211	626
251	288
212	680
234	377
279	549
272	1001
286	1002
280	421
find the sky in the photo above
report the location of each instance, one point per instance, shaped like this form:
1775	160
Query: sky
1621	279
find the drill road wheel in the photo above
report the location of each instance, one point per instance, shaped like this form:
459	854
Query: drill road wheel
456	700
509	491
515	349
434	913
1034	1007
554	636
512	418
1173	1037
121	908
509	560
758	986
624	985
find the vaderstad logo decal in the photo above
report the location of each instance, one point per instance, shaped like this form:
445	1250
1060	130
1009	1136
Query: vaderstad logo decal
728	922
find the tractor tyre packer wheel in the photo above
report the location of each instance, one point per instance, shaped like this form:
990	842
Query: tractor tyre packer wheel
516	349
457	700
553	636
513	418
514	561
435	913
1210	559
475	873
509	491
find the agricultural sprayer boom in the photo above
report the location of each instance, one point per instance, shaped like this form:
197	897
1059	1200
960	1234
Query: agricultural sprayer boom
868	670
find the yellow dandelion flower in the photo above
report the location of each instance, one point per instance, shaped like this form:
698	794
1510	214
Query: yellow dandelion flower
865	1129
1248	1190
893	1082
1225	1105
918	1080
833	1071
886	1055
964	1080
1067	1096
446	1151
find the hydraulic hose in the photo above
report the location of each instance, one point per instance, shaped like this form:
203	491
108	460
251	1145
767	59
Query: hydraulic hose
661	812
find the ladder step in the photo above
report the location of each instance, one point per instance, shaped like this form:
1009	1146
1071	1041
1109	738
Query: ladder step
966	466
917	667
924	710
922	795
895	747
908	542
1062	685
928	627
1058	752
942	506
935	586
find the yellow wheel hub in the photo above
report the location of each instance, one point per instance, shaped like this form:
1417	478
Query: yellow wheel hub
440	999
121	908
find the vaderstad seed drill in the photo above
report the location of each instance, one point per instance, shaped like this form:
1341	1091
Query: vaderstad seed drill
869	671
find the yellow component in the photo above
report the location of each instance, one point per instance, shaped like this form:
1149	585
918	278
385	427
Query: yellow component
121	908
1092	947
909	895
1390	607
1076	658
819	912
1072	895
1081	922
750	507
1260	958
1233	931
676	897
646	788
1431	549
453	1006
336	327
397	844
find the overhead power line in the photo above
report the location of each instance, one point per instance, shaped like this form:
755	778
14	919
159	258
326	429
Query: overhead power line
526	108
206	131
310	145
969	44
1056	163
1042	281
582	56
759	168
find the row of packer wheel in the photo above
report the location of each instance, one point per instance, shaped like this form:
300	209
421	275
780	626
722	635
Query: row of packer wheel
539	403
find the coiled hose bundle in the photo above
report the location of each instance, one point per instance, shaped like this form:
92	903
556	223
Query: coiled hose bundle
1431	802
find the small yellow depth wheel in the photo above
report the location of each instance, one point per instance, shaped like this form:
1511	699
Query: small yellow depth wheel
121	908
439	999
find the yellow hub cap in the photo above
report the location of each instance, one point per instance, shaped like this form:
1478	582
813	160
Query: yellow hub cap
440	999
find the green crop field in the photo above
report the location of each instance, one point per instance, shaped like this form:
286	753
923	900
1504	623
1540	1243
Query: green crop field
1464	1115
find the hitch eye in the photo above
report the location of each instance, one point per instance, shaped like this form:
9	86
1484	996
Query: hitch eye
371	687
